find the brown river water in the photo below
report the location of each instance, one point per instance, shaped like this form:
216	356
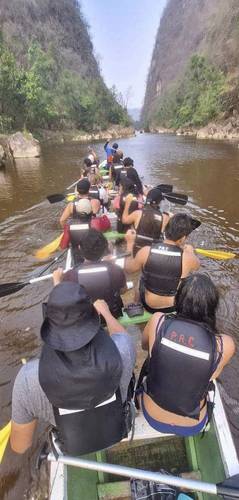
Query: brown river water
207	171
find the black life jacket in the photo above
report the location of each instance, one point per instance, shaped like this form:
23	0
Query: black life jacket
96	279
122	228
83	387
121	175
78	231
78	228
163	269
181	365
144	235
94	193
115	171
86	431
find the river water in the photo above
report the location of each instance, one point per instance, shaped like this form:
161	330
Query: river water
207	171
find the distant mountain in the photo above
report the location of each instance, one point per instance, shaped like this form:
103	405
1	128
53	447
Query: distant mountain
134	113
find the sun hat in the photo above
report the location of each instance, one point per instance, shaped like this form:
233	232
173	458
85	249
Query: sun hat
71	321
83	206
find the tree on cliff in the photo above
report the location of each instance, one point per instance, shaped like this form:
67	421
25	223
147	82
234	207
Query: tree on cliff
49	76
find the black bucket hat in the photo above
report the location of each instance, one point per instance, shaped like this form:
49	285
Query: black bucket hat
71	320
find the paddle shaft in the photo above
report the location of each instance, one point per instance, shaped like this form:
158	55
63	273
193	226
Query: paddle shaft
130	472
53	262
74	184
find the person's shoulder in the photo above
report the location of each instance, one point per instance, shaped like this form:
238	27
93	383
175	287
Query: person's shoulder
229	346
28	372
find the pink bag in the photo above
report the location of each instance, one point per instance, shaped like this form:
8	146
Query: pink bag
101	223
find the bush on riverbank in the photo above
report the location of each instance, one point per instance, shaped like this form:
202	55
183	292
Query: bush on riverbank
40	93
195	100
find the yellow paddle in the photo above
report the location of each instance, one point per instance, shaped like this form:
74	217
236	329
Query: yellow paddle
45	251
71	197
215	254
4	437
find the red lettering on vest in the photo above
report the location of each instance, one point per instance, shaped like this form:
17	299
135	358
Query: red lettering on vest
173	336
190	341
181	339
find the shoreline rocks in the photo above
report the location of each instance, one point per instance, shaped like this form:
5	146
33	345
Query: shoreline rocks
113	132
227	129
22	145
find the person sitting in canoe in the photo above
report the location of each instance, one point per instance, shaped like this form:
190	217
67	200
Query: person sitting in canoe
91	172
83	188
163	264
186	352
131	173
110	151
92	155
100	276
116	168
76	228
87	403
149	222
126	187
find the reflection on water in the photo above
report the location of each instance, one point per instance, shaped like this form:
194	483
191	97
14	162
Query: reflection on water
206	171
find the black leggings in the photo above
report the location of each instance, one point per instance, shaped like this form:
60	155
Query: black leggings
165	310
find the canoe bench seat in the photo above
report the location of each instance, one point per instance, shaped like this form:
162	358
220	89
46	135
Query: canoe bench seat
144	431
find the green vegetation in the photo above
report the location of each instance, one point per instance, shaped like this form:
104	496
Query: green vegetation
39	92
196	99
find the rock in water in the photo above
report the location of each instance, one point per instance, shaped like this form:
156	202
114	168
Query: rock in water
24	145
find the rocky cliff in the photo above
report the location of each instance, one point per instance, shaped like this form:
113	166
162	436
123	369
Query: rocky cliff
205	27
56	23
49	76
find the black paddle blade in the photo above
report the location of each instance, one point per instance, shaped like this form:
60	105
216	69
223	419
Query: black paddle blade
195	223
229	488
9	288
165	188
55	198
179	199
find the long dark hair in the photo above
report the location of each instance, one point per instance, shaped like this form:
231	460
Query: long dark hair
197	299
149	225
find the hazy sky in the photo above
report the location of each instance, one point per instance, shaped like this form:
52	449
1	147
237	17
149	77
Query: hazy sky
123	34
